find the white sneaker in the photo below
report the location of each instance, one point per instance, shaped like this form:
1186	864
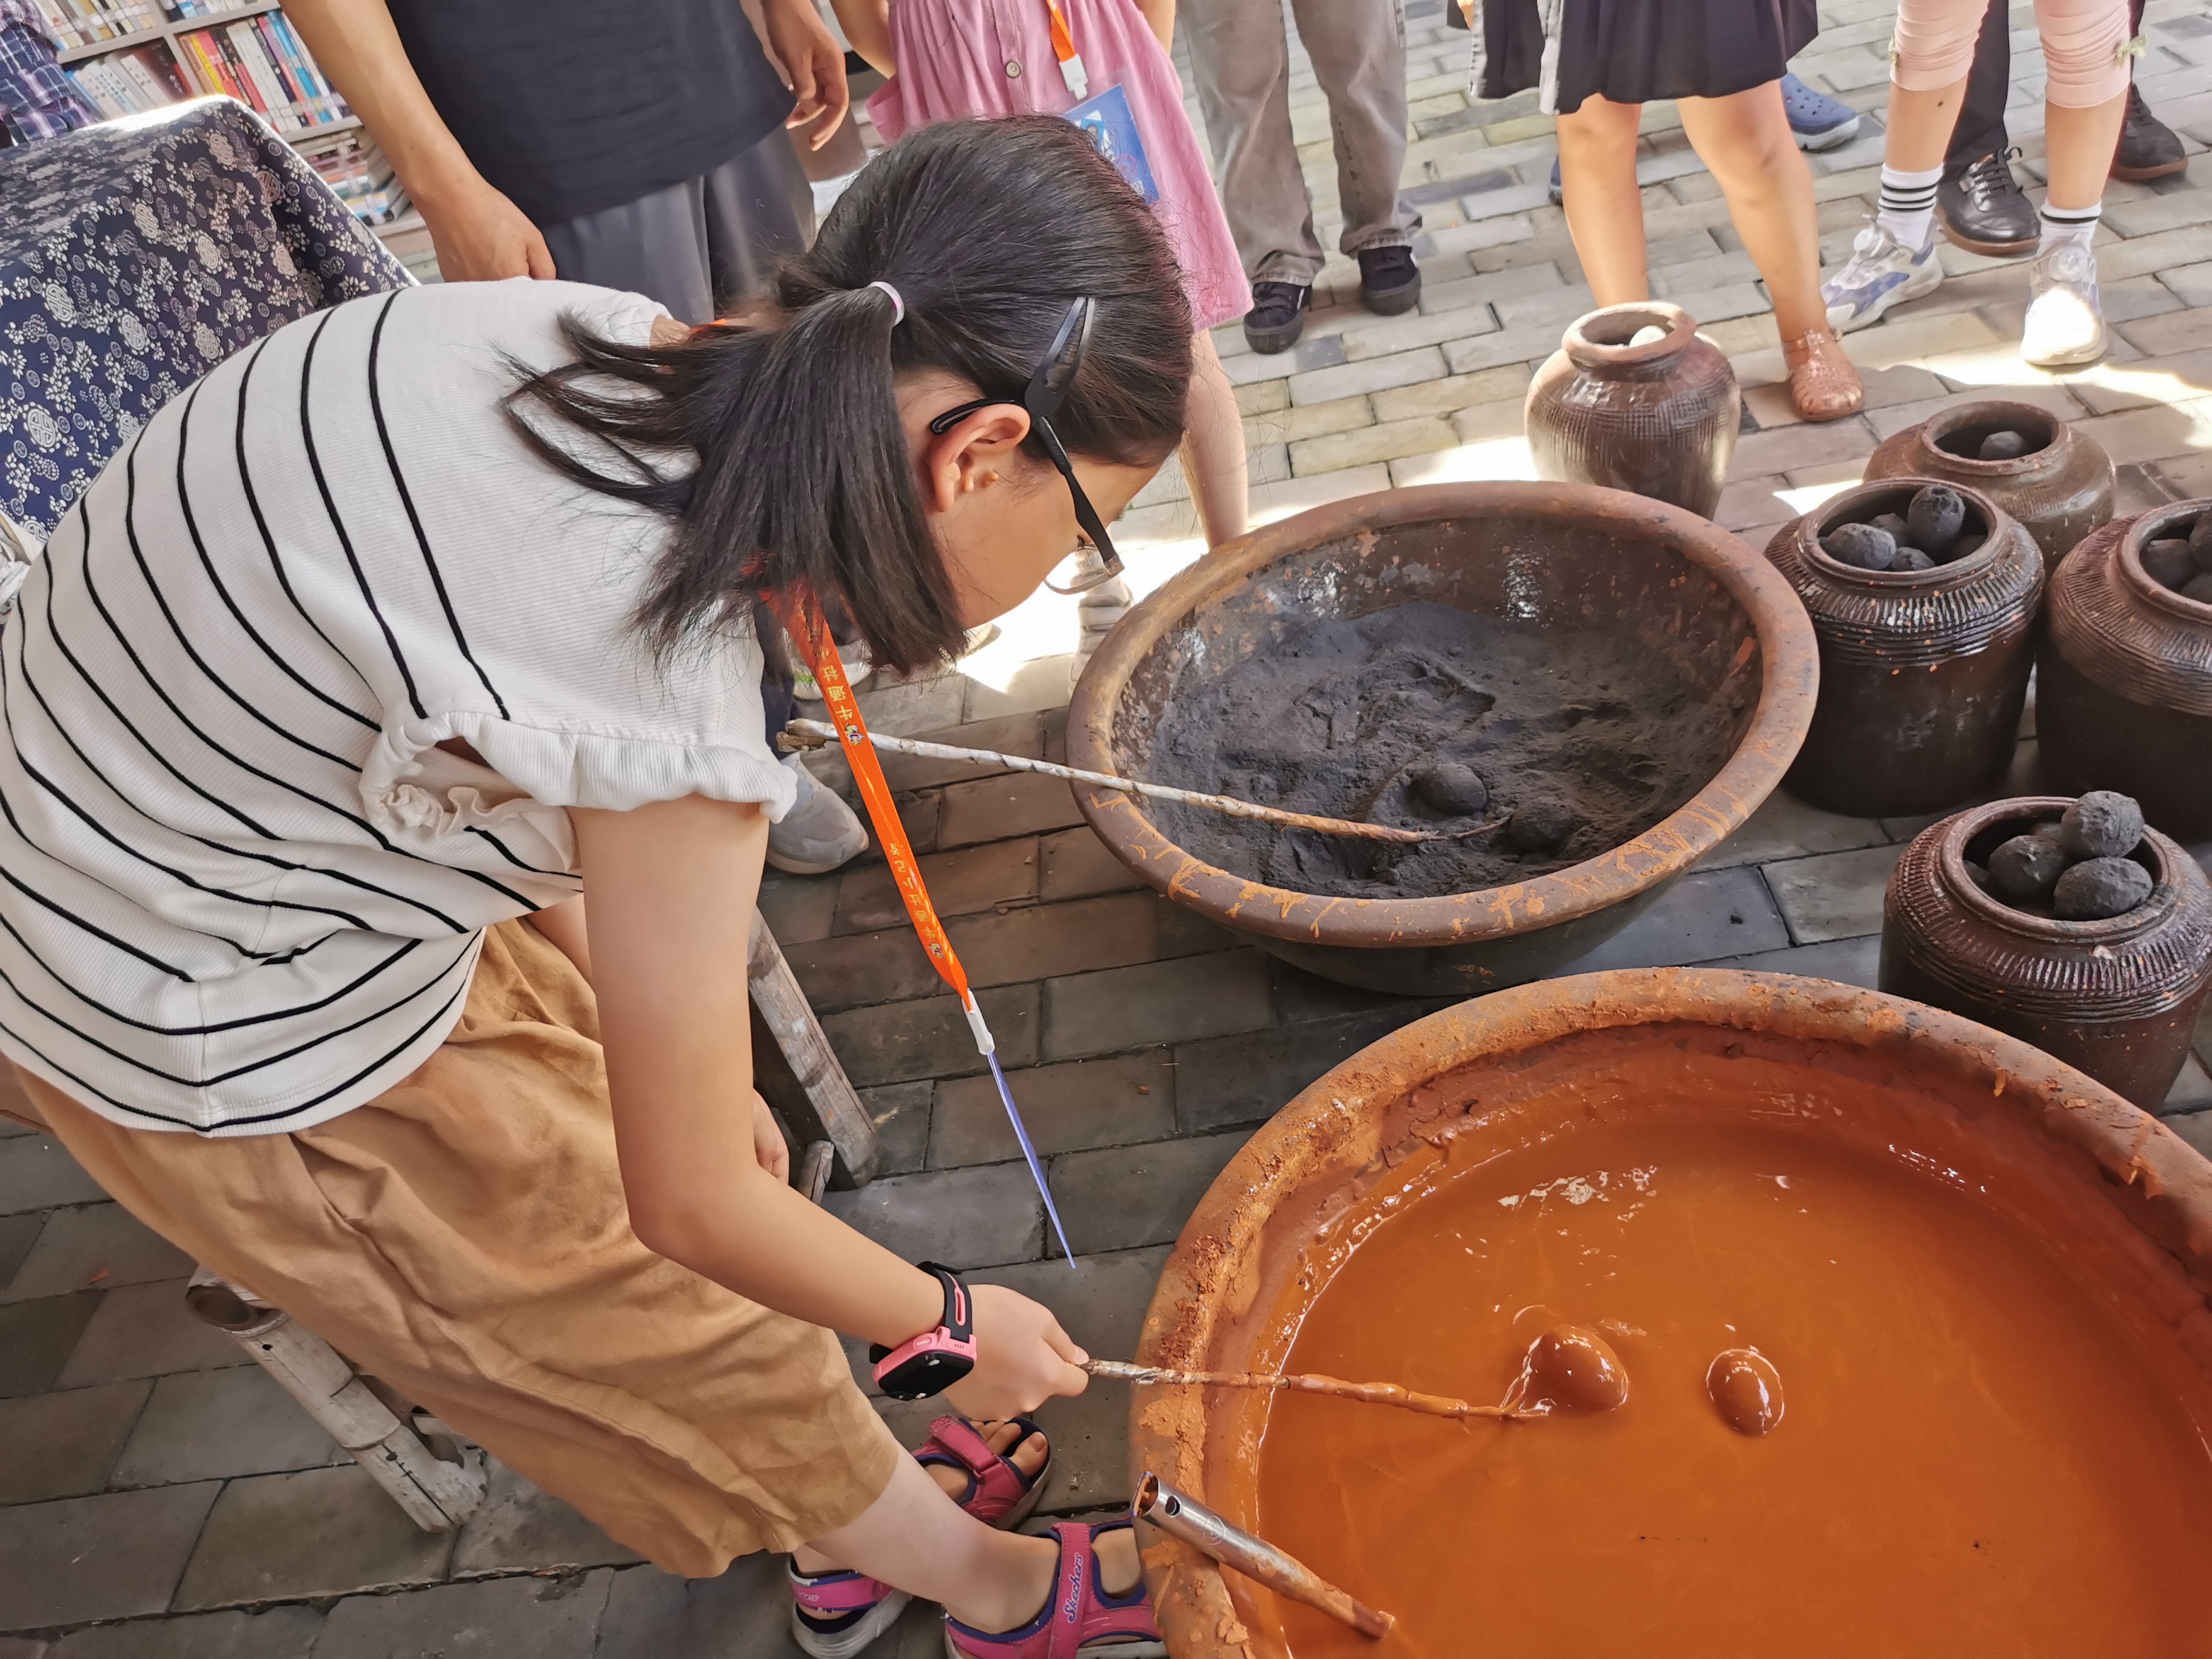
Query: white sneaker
2065	320
1881	272
818	834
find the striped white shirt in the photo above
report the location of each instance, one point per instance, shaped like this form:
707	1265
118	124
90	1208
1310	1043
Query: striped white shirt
240	891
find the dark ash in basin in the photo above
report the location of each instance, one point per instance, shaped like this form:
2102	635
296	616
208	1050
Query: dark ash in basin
1341	717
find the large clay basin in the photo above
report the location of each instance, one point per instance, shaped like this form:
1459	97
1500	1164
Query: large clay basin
1545	554
1290	1207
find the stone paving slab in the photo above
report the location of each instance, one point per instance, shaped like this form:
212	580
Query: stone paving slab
38	1173
203	1425
522	1530
300	1537
281	1632
115	1556
526	1618
94	1245
144	1330
37	1339
63	1444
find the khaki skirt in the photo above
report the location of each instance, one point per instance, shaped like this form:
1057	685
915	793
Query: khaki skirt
464	1237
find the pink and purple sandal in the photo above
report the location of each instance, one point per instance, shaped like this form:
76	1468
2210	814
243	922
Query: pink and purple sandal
999	1494
1079	1620
837	1614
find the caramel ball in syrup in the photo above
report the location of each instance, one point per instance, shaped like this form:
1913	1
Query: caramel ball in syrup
1572	1368
1747	1389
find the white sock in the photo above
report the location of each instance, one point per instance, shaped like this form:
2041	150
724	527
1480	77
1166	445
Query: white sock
1907	205
2069	225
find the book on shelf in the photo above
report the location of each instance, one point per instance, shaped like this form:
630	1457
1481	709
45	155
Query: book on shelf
88	23
128	82
355	169
262	63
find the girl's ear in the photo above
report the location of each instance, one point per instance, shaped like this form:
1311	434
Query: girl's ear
971	455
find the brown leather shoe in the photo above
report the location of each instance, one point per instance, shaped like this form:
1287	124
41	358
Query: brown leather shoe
2148	149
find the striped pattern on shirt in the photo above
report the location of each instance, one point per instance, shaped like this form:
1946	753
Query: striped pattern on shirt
240	889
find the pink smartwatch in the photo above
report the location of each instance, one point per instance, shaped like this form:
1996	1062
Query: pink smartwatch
938	1357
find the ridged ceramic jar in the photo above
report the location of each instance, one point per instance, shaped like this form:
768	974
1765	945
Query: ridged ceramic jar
2124	692
2117	999
1923	672
1659	419
2058	492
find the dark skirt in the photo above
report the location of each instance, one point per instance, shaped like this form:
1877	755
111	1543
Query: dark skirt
1633	52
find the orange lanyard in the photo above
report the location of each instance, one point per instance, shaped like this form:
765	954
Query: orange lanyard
813	632
1063	48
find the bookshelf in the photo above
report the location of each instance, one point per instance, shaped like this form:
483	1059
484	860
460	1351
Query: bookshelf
162	54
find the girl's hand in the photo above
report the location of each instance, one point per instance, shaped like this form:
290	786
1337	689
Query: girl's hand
768	1144
1022	1358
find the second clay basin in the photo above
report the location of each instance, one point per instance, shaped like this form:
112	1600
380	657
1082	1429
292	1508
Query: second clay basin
1565	579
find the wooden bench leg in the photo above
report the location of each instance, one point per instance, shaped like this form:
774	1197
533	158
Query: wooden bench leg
796	1070
437	1495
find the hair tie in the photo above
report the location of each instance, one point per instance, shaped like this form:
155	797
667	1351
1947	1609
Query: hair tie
898	305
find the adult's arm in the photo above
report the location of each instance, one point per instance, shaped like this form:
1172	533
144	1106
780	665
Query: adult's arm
479	235
672	889
812	62
867	25
1160	14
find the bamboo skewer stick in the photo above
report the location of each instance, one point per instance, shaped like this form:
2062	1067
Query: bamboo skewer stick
815	732
1374	1394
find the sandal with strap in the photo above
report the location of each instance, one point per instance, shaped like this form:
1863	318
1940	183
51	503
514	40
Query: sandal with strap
999	1494
1079	1620
1824	385
835	1615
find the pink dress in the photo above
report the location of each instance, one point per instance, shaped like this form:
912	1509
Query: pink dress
972	60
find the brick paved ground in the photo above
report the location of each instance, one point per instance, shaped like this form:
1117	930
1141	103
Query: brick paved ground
160	1497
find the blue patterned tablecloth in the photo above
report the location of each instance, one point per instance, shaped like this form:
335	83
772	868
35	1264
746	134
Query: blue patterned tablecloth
134	257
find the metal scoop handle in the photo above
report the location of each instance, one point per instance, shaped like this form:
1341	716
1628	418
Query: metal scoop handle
1254	1557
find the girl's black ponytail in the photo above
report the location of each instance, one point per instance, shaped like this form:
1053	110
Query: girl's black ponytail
802	481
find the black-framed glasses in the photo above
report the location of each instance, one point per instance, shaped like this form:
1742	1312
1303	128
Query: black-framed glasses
1041	397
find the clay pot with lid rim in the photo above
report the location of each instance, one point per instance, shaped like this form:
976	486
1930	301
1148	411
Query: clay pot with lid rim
1658	420
1923	673
1229	1294
2123	682
2117	998
2058	492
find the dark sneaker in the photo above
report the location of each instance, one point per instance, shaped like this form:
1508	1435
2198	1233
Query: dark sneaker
1277	316
1389	280
1981	208
2148	149
1817	121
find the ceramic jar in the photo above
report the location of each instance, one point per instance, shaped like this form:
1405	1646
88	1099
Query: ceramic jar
2117	999
2124	688
1923	672
1658	419
2058	492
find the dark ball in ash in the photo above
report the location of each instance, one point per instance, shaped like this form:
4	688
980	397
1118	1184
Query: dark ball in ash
1451	789
1911	558
1892	524
2200	541
1937	516
2027	867
2003	446
2168	561
2099	888
2198	588
1540	826
2102	824
1860	545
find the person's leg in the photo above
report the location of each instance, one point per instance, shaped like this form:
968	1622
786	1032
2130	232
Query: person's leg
1213	459
759	208
1745	138
2085	101
1358	54
1604	204
655	245
1979	204
1981	125
1240	57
